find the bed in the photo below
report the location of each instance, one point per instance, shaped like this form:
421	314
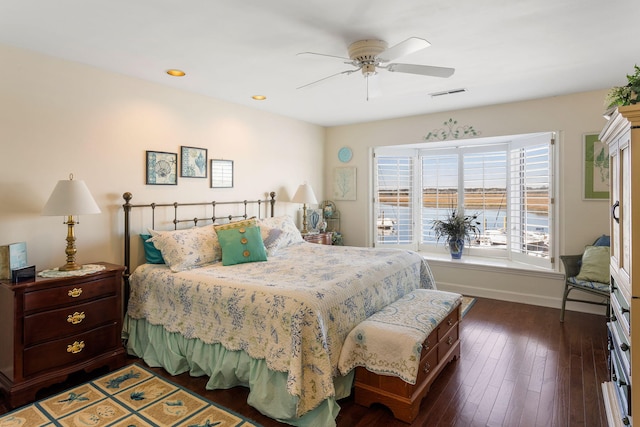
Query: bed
276	324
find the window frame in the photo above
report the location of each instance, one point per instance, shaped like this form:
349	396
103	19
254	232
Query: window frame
508	144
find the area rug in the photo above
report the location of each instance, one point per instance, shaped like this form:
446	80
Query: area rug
467	303
131	396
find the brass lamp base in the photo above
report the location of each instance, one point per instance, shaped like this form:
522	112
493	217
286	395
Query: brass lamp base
304	219
71	250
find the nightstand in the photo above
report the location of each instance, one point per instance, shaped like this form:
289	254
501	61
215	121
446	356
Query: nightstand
53	327
321	238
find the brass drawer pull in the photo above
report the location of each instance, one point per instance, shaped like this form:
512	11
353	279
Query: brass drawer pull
75	318
426	368
427	345
75	292
449	322
76	347
450	340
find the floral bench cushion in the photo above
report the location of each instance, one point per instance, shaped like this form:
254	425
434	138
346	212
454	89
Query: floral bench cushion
389	342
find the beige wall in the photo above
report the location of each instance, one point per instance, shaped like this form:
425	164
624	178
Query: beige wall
580	221
58	117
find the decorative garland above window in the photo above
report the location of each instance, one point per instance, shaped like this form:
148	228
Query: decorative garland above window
451	131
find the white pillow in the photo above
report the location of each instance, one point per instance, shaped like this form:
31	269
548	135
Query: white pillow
188	248
279	232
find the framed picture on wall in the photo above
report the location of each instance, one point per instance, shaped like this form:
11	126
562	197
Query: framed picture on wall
595	168
221	173
193	162
344	183
162	168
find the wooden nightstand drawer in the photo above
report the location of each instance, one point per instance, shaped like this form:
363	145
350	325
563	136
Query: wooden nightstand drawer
70	350
69	320
41	320
75	293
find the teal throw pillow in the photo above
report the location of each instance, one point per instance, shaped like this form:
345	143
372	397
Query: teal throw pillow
241	245
595	264
151	253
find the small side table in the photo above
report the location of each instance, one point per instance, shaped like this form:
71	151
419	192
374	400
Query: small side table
320	238
56	326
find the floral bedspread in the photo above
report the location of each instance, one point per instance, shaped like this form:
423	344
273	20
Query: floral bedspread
294	310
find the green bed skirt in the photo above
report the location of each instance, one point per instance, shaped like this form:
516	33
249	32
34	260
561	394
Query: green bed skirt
226	369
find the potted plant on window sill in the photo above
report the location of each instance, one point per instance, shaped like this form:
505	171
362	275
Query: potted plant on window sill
455	229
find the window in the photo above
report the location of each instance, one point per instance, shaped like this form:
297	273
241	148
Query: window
506	182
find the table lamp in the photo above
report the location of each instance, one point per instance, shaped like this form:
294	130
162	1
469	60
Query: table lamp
70	198
304	195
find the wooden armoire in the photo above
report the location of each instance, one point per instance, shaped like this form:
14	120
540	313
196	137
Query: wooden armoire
622	135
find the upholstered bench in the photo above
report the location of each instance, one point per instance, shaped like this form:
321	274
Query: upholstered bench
399	351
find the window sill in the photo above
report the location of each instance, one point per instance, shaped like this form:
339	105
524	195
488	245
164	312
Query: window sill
469	262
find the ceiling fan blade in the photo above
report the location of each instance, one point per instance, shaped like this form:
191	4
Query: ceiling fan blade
423	70
323	54
410	45
326	78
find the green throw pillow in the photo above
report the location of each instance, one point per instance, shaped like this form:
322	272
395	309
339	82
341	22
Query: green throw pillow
595	264
241	245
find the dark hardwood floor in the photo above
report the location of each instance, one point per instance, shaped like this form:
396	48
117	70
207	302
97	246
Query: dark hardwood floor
519	366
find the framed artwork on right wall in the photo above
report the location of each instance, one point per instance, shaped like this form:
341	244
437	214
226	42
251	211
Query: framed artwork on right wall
595	170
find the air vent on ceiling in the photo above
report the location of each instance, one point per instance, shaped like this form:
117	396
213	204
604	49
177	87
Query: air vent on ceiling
447	92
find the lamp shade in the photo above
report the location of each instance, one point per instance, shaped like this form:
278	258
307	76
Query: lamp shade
70	197
304	195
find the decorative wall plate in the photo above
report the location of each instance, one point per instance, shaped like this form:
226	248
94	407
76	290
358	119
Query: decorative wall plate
345	154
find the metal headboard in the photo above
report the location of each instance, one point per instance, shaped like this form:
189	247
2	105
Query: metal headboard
243	204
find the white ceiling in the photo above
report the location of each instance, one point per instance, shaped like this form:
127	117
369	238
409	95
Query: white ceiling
502	50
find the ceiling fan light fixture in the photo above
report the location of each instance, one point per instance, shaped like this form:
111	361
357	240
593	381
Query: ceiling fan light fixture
369	70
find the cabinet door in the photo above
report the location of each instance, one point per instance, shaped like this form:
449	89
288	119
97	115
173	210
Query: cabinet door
620	176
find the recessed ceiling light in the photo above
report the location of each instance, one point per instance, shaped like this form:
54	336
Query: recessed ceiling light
259	97
175	73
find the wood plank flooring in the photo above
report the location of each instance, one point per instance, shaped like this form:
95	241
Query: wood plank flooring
519	366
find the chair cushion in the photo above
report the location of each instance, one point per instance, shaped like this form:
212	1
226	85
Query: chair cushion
589	285
595	264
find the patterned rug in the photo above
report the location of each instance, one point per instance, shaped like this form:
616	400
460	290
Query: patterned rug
130	397
467	303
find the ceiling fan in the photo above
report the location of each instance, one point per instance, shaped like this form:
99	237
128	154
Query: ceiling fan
369	56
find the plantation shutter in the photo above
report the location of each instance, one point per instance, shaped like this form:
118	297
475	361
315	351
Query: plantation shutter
531	212
439	188
394	202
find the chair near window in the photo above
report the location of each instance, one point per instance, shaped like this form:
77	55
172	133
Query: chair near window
588	273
